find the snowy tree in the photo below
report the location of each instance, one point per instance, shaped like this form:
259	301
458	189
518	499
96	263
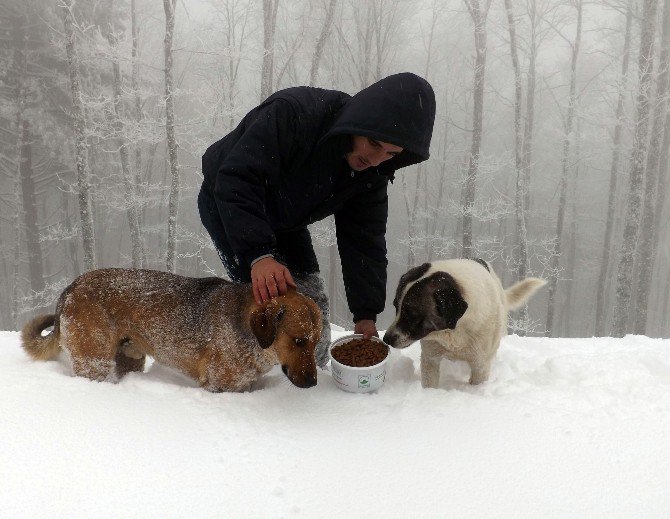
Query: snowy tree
565	167
321	41
601	302
79	123
479	13
129	178
270	8
636	181
646	247
173	206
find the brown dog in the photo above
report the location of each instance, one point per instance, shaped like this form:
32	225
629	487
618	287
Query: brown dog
210	329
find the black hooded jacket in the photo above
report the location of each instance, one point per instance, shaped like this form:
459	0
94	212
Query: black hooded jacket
283	168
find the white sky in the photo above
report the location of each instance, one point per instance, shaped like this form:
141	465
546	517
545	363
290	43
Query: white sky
564	428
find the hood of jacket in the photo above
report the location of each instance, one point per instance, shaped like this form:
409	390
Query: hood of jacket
399	109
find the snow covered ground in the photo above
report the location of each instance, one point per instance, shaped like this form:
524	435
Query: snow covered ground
574	428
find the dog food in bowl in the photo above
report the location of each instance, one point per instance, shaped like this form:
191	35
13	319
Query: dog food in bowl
358	365
360	353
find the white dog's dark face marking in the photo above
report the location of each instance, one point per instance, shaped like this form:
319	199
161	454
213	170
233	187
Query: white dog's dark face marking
424	304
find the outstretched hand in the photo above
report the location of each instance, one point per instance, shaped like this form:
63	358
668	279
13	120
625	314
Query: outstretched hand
366	327
270	279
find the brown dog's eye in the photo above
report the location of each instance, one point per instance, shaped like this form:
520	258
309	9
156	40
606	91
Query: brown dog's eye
300	342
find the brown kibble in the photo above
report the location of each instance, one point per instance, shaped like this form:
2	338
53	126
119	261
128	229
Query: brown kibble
360	353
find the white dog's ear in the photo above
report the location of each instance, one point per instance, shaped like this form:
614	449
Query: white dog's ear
450	305
264	321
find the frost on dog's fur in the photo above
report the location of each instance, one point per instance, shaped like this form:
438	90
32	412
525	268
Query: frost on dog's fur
458	310
108	320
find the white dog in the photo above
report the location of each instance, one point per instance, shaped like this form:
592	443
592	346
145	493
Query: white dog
458	309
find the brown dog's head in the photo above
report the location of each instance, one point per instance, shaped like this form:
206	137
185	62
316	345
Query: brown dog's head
425	302
291	325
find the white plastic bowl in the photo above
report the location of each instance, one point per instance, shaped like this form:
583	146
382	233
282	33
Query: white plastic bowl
357	380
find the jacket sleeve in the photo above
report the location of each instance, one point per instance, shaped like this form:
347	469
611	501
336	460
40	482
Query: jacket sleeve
361	239
249	169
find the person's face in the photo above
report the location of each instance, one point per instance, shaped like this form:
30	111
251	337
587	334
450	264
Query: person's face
367	152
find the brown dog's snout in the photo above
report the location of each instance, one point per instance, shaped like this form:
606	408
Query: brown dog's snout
309	380
305	381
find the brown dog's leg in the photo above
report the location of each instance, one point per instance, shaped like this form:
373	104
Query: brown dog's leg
92	368
126	364
91	344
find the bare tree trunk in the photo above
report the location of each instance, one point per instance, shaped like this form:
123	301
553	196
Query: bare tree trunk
570	270
70	245
18	73
646	249
423	171
26	207
521	249
478	14
83	183
135	87
137	247
634	200
411	221
321	42
665	311
565	167
234	60
522	238
571	259
530	106
269	25
16	270
173	205
614	173
660	209
410	217
433	232
35	258
135	79
384	21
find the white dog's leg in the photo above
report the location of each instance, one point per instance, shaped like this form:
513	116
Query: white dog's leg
431	355
479	371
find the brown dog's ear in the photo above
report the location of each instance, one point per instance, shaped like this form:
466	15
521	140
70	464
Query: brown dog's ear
315	311
264	321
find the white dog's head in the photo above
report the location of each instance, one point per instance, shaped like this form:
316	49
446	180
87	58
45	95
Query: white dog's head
426	300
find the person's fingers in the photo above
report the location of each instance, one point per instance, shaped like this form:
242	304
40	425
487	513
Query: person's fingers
257	293
265	294
367	329
281	283
289	278
263	290
271	285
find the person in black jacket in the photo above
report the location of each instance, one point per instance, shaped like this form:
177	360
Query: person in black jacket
304	154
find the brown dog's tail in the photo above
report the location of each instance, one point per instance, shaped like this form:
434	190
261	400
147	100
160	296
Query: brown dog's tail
37	346
517	295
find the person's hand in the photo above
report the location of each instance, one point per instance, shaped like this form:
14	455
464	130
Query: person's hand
270	279
366	327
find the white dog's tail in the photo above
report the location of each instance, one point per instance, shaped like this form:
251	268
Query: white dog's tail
517	295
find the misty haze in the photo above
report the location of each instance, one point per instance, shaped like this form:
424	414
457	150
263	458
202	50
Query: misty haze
549	155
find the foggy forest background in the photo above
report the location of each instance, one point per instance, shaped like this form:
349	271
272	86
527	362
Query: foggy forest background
549	154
